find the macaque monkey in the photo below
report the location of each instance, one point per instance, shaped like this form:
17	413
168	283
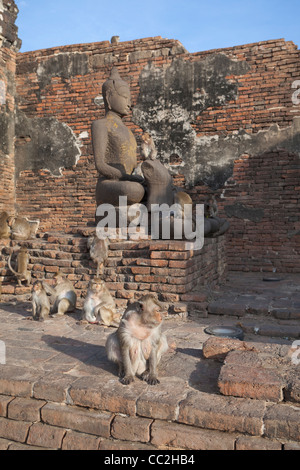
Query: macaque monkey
98	252
63	295
4	227
22	273
148	152
100	303
148	149
22	228
138	343
40	302
115	39
210	207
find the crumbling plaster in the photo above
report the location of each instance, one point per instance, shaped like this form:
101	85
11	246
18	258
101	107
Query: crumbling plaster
172	97
44	144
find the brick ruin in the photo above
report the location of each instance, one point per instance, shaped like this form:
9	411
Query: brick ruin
224	121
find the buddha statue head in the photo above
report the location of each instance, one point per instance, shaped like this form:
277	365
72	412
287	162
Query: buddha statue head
116	94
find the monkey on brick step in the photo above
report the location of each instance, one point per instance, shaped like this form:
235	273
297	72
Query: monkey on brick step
138	343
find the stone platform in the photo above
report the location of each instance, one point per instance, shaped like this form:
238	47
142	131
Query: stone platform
171	269
58	390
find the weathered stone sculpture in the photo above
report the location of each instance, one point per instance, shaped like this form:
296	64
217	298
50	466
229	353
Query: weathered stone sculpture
115	147
159	182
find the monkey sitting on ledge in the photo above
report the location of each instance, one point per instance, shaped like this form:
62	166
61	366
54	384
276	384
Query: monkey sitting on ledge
99	305
138	343
63	295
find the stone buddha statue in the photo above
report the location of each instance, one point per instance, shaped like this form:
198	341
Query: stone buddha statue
114	147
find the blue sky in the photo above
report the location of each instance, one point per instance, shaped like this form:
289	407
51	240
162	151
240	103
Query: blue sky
199	25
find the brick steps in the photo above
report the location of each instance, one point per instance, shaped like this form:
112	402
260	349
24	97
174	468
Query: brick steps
95	421
171	269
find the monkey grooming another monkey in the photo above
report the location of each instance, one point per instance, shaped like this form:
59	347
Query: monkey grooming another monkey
98	252
22	266
100	303
40	302
4	227
63	295
138	343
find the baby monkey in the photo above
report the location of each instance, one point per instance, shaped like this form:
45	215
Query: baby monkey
40	302
138	343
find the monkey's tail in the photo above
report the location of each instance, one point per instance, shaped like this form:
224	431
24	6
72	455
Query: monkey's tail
10	266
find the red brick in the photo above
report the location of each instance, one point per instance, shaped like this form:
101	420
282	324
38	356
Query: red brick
16	381
43	435
77	419
80	441
4	444
242	379
114	444
131	428
25	409
161	403
4	401
107	394
218	348
222	413
181	436
282	422
256	443
15	430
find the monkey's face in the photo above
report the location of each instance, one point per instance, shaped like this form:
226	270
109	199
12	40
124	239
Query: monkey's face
37	287
152	313
97	287
146	138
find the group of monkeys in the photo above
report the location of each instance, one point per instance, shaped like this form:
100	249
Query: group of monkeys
138	342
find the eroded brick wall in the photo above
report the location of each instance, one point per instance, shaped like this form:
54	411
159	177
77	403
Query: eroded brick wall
228	112
9	44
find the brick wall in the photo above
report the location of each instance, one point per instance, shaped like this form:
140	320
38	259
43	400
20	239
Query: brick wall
7	165
9	44
264	97
265	233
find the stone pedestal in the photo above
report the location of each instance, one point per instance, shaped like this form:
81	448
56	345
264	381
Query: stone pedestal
173	270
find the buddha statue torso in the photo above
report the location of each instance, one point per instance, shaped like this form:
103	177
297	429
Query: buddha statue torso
121	147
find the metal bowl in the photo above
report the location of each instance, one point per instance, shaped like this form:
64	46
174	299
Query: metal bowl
225	331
